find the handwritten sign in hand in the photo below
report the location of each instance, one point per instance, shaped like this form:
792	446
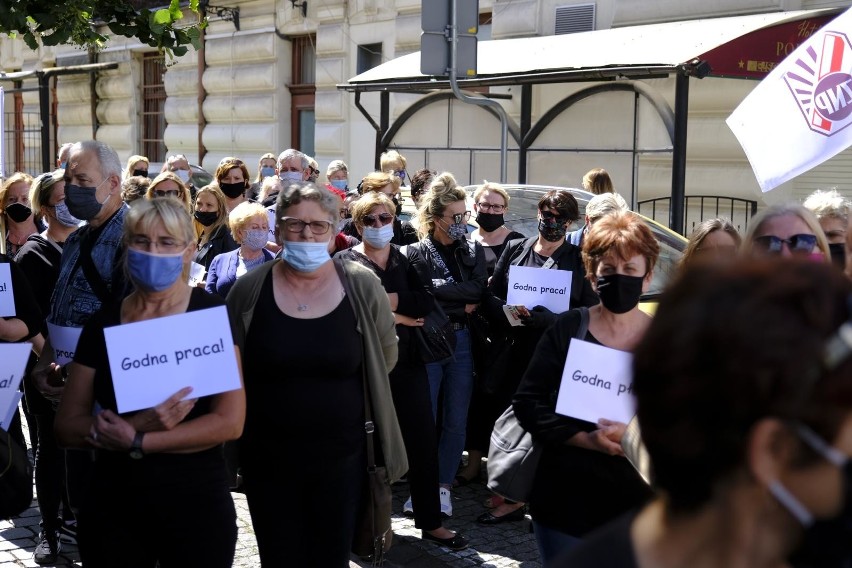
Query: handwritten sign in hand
195	349
597	382
533	287
7	297
13	363
64	342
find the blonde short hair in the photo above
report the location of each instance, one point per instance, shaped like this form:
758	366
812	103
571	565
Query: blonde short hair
363	206
171	176
375	181
17	177
785	210
491	187
828	203
242	214
142	217
597	181
131	161
42	188
391	157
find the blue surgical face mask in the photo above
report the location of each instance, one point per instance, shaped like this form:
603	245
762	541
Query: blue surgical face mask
82	201
378	237
340	184
64	216
154	272
305	256
291	176
267	171
255	239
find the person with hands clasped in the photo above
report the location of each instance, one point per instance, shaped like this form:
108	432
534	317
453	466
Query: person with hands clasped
557	209
583	479
156	468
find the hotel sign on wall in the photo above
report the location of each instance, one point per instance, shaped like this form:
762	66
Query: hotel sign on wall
754	55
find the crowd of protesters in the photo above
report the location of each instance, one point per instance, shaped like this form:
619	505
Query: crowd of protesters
742	378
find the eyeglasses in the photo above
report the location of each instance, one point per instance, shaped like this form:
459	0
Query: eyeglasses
166	193
798	244
383	218
294	225
400	174
547	215
168	244
485	206
460	217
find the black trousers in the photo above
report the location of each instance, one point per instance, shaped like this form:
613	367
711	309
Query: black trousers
413	403
50	474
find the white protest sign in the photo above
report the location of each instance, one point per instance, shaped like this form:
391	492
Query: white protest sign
532	287
151	360
597	382
196	273
64	342
13	363
7	297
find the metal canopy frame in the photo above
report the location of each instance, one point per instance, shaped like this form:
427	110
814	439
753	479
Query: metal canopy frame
43	76
695	67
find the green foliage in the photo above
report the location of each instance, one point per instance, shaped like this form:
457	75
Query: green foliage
52	22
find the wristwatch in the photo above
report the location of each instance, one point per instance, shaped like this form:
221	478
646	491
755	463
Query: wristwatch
136	447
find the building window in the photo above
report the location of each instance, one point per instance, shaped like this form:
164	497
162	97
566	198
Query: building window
303	94
153	105
369	56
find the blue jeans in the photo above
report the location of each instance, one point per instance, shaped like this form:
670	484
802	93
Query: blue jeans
552	544
453	377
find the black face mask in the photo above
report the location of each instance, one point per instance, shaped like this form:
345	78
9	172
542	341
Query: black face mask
838	254
620	293
143	173
18	212
552	229
206	218
233	190
489	221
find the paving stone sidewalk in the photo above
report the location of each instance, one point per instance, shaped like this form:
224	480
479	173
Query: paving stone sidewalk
506	545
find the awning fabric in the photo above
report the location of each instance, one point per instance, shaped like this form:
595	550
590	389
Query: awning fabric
629	52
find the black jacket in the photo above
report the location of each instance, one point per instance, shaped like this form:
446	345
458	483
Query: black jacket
220	242
466	262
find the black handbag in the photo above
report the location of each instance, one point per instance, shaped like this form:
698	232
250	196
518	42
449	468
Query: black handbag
436	338
16	477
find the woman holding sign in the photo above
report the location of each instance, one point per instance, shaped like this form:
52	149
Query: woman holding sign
519	269
583	479
158	467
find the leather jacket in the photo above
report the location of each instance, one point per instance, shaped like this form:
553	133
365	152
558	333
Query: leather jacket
469	259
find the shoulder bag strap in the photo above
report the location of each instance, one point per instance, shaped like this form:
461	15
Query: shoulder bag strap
439	262
97	283
584	323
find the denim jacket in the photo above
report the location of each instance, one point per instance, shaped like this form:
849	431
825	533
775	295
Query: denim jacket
74	300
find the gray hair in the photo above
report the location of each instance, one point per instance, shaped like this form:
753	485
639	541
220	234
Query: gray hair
107	158
604	204
296	192
336	166
64	151
290	153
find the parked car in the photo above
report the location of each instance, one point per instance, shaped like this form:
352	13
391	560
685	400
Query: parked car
522	216
199	177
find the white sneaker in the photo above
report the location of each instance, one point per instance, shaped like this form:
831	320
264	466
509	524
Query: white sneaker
408	508
446	503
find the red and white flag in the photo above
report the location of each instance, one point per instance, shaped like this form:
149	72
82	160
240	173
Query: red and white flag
798	116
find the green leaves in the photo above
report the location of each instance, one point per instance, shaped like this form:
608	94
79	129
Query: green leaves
48	22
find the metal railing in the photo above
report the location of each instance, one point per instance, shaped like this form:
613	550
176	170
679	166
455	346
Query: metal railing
22	144
700	208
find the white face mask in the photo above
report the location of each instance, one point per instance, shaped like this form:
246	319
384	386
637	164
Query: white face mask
378	237
183	175
291	176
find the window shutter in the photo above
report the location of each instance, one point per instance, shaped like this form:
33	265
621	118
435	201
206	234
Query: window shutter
575	18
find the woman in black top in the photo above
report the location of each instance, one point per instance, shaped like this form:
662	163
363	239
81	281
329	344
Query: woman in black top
39	260
410	301
210	220
583	479
557	209
158	467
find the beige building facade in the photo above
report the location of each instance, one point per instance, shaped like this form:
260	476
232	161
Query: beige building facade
273	84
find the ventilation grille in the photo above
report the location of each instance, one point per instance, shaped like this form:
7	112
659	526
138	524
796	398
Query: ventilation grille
576	18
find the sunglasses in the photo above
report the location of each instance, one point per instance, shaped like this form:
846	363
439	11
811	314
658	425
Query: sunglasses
798	244
370	220
547	216
459	218
164	193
